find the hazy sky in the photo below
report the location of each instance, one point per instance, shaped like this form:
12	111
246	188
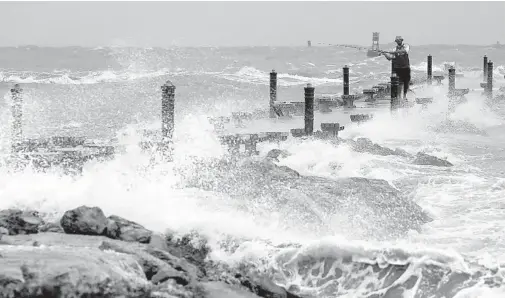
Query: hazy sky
248	23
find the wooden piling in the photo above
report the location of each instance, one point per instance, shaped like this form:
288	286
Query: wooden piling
452	79
273	92
17	115
489	85
330	129
349	101
346	79
485	68
429	70
309	109
167	113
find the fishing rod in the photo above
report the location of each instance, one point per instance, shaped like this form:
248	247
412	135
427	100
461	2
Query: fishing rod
344	46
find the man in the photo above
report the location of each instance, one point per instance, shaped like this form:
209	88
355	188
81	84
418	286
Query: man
401	63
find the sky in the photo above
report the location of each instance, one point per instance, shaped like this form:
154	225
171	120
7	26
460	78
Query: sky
255	23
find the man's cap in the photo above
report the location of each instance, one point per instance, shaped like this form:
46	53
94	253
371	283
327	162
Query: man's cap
398	38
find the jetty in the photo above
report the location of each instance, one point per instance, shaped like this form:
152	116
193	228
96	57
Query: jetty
72	152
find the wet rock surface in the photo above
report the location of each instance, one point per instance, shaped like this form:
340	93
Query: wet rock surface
366	145
312	200
137	264
425	159
123	229
84	221
15	221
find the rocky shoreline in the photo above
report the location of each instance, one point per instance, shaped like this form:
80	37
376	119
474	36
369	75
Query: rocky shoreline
87	254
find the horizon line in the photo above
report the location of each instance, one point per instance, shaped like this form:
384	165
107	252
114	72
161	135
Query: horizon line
238	46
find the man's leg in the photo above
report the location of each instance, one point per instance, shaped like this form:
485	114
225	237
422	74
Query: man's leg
406	82
400	72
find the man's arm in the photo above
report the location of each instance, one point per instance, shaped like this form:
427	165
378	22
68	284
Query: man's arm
388	55
404	50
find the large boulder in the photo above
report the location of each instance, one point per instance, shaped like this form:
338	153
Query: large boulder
126	230
366	145
16	221
421	158
68	271
105	267
84	221
155	269
370	208
274	154
97	266
429	160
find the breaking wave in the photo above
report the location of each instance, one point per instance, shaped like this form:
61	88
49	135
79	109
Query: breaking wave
252	75
82	78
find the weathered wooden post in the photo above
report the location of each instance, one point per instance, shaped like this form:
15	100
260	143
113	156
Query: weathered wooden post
430	64
273	92
309	109
452	80
485	68
167	114
489	85
17	115
346	80
394	91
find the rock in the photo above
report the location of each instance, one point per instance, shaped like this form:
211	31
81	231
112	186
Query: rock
167	273
120	228
429	160
264	287
368	207
274	154
267	166
56	239
151	260
29	271
84	221
366	145
403	153
158	241
175	262
170	289
191	248
215	289
51	227
112	268
16	221
3	231
152	266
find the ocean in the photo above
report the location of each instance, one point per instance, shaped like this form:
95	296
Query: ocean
306	245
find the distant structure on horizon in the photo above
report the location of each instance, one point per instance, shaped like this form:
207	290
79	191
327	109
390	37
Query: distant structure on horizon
374	51
498	45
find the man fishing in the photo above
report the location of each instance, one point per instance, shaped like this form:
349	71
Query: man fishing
401	63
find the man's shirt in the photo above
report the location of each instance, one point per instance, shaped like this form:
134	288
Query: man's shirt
401	60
